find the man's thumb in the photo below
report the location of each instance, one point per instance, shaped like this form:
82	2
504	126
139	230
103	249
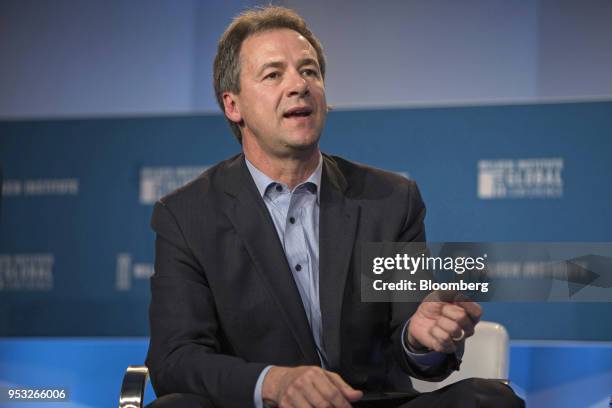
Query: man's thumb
349	392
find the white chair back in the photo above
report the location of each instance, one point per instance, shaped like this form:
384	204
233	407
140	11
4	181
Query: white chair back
486	356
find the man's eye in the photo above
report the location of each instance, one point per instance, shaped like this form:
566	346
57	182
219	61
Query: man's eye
272	75
310	72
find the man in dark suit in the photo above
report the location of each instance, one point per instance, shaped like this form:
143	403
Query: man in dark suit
256	291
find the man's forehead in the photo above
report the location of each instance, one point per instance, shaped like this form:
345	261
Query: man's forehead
260	47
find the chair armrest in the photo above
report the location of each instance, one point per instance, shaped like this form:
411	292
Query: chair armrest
133	387
504	381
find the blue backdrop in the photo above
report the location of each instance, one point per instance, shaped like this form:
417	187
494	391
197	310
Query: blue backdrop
76	249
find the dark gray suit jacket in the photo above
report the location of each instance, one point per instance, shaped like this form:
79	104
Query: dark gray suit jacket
225	305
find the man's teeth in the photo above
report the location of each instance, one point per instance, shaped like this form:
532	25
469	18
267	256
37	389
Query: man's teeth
300	113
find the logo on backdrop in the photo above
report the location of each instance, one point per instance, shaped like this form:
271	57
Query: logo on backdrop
127	271
156	182
28	272
40	187
520	178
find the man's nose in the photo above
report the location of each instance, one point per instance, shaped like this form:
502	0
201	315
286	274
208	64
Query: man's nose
298	86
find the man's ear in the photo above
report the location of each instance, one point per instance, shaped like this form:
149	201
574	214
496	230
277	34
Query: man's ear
230	105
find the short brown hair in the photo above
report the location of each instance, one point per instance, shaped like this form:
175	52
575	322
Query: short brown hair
226	68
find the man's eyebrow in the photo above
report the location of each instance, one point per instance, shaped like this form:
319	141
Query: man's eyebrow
308	61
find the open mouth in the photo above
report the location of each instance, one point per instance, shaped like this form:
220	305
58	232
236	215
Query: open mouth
298	113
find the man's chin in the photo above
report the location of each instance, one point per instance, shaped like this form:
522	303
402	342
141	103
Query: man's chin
303	144
302	140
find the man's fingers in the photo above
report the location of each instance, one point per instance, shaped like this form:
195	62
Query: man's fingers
330	392
459	315
324	395
349	392
473	309
295	399
454	328
442	340
311	387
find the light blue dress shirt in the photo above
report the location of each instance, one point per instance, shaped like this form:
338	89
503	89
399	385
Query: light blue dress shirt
295	214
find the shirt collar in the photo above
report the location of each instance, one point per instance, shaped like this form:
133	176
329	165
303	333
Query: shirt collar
263	181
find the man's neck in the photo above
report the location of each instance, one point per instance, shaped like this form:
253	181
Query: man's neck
290	170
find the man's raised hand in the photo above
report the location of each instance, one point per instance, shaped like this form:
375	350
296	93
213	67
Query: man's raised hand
442	321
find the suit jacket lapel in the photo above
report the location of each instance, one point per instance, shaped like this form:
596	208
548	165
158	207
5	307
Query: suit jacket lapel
338	219
256	229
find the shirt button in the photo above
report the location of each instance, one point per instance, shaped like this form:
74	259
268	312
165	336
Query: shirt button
279	188
292	220
298	267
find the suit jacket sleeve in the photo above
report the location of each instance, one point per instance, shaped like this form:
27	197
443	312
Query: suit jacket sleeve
184	352
413	230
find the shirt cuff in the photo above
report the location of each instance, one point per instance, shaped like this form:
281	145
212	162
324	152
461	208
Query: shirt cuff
257	397
423	361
